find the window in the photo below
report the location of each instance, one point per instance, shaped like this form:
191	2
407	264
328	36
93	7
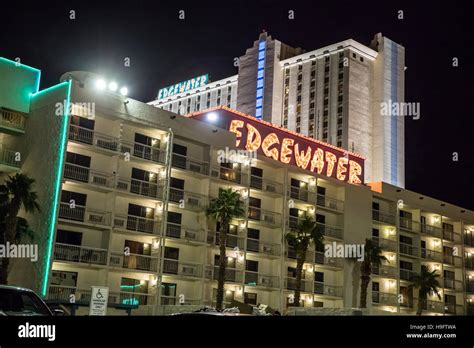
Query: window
354	55
68	237
326	59
250	298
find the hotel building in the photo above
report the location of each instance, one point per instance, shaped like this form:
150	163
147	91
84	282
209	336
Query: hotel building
124	187
333	94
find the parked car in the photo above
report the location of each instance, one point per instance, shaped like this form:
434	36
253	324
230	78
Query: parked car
15	301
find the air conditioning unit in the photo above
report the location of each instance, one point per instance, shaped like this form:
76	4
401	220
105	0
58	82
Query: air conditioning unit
193	201
97	219
195	168
190	235
268	218
267	249
333	205
98	180
215	173
271	188
188	270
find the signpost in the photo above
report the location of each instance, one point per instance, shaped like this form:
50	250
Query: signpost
99	300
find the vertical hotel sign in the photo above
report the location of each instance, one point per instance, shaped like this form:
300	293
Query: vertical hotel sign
290	148
260	79
184	86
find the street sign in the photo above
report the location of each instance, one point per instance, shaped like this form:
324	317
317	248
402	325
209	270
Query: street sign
99	299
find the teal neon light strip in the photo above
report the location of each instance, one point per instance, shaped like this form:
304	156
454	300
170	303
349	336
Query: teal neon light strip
57	184
38	79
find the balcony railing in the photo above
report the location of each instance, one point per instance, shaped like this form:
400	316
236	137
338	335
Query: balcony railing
192	165
320	259
432	230
136	224
291	254
300	193
306	284
232	240
452	260
231	274
434	306
91	137
9	158
80	254
452	236
12	120
406	274
327	290
409	225
385	271
189	200
82	214
269	186
385	244
182	232
453	308
451	284
408	249
142	151
229	174
469	262
331	231
470	286
431	255
134	261
140	187
265	216
87	175
384	298
328	202
258	279
384	217
258	246
185	269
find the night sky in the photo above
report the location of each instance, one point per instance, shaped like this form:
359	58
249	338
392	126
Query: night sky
164	49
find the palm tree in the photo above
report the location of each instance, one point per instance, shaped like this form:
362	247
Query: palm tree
372	258
306	233
15	194
223	209
426	283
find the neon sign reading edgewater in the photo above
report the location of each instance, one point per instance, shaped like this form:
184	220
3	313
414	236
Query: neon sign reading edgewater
289	147
184	86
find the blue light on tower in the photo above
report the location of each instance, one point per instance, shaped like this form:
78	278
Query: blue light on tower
260	79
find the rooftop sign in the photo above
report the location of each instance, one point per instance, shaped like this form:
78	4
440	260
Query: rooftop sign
288	147
182	87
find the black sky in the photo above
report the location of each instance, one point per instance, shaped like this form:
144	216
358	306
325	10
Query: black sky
164	49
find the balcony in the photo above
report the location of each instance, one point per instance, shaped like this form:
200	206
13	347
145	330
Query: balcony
81	214
231	274
452	236
327	290
87	175
8	162
432	230
452	308
330	231
409	225
431	255
306	284
408	249
451	284
384	298
470	286
300	194
189	200
267	186
469	262
188	164
232	241
147	189
258	279
385	271
185	233
143	152
101	142
383	217
329	203
134	223
182	269
264	216
469	239
12	122
270	249
452	260
229	174
434	306
80	254
137	262
290	253
320	259
385	244
406	274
